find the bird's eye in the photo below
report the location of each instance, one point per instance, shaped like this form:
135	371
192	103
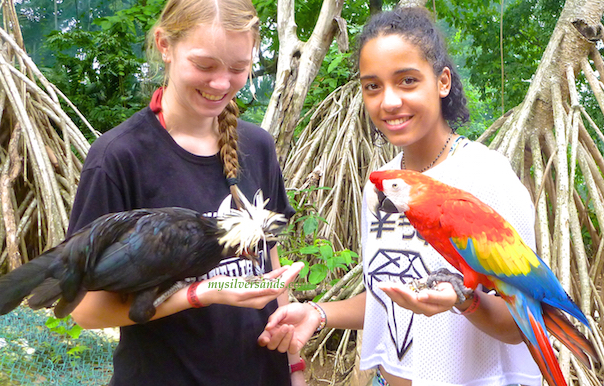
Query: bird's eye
395	186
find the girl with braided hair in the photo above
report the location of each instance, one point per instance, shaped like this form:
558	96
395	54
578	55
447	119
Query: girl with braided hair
189	149
415	100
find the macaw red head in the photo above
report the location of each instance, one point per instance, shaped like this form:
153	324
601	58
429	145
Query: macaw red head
393	189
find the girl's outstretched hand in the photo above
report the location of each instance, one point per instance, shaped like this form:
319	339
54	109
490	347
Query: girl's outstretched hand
290	327
428	302
240	292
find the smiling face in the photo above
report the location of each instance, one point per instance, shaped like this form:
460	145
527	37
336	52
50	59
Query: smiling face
206	69
402	94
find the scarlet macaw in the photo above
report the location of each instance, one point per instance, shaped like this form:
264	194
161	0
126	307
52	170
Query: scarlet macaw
487	250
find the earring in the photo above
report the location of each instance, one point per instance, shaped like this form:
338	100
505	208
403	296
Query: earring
164	57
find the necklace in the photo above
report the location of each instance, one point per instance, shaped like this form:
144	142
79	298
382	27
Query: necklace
435	159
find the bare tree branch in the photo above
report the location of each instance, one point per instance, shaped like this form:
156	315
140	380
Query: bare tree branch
298	64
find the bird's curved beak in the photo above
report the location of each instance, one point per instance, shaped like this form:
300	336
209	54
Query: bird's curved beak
272	228
384	203
377	201
275	227
253	256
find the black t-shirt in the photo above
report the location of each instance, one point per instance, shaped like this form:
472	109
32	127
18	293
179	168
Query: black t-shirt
138	165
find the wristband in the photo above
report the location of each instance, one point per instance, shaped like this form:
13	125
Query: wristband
300	366
192	295
321	312
471	309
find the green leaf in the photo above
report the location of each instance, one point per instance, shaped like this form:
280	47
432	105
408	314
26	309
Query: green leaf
345	254
326	252
342	267
75	331
77	349
318	272
310	226
105	24
304	271
285	261
305	287
319	296
52	322
334	63
309	250
336	262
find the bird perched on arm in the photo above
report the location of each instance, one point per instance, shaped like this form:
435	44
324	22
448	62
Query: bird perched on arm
487	250
141	252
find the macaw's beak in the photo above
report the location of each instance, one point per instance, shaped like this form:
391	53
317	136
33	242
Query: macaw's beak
377	201
385	205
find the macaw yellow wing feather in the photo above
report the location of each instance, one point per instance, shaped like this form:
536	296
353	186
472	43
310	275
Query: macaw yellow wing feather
497	248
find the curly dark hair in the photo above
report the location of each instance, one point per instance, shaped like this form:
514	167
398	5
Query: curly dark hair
415	24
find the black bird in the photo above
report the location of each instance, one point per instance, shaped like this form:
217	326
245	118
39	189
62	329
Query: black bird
141	252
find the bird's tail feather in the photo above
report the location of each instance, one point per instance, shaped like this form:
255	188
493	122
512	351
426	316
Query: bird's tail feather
527	313
64	307
45	294
559	326
565	303
17	284
543	354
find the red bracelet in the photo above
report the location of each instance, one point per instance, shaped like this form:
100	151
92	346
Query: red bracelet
192	295
473	306
300	366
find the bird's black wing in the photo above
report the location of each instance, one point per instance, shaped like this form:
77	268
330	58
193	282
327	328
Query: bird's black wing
165	246
79	253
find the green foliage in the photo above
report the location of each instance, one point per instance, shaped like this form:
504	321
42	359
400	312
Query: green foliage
100	77
481	113
117	31
68	328
253	105
321	260
330	260
336	70
60	354
138	19
37	19
527	28
101	71
64	326
267	13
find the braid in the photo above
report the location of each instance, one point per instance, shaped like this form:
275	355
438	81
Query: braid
227	126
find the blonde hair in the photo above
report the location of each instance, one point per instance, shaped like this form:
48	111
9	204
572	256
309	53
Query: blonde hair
177	19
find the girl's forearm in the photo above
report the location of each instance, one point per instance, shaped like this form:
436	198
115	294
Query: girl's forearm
493	318
346	314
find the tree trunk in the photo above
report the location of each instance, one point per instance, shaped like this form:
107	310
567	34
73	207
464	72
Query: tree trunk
298	64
